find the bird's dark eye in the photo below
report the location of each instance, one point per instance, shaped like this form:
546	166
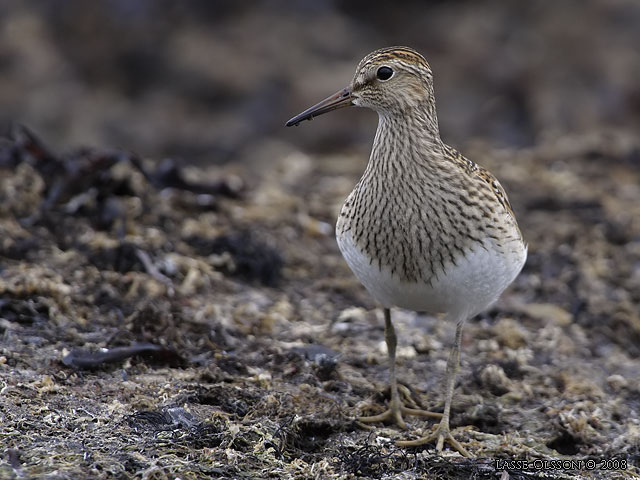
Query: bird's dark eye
384	73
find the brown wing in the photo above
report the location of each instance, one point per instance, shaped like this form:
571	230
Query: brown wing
485	175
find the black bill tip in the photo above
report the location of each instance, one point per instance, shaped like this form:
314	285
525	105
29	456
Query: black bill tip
340	99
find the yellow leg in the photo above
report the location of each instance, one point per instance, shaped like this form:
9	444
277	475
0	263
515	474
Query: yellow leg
396	407
443	433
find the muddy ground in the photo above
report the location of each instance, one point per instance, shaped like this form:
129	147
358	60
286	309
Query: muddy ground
183	311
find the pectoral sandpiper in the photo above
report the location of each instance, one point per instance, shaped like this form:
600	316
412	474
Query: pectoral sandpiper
425	228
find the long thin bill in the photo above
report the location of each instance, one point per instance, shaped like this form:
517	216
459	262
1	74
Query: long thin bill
337	100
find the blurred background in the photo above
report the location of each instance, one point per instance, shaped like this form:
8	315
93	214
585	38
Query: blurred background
214	81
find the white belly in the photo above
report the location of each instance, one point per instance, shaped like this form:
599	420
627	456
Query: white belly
463	290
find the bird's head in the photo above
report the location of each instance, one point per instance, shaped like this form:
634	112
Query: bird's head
390	81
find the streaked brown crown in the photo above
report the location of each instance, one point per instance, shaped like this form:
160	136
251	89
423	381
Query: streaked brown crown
405	55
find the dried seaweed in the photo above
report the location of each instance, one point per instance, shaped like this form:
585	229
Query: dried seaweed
79	358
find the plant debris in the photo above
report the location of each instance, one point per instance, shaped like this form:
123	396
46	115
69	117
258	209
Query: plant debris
79	358
179	331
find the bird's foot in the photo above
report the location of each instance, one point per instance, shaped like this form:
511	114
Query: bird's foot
396	411
441	435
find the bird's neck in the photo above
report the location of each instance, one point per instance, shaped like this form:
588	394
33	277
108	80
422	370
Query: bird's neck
405	140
